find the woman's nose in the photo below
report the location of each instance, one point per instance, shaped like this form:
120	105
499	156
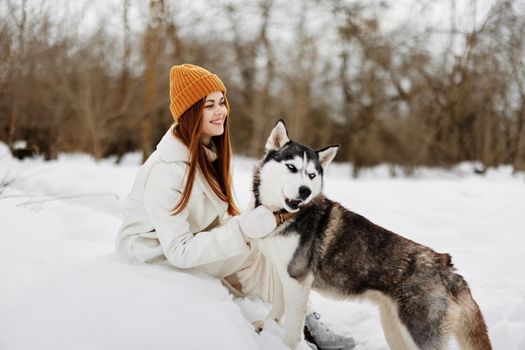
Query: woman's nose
218	110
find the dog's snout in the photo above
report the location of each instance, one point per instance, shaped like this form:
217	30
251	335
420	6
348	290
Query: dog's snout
304	192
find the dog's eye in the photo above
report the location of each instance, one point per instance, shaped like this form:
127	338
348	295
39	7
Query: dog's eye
292	168
311	176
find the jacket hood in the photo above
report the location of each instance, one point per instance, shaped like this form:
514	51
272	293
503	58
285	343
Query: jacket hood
171	149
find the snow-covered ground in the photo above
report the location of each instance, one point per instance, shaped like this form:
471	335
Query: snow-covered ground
63	287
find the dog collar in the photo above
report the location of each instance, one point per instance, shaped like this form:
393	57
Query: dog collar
282	215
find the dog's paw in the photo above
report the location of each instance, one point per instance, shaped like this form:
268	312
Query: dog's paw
258	325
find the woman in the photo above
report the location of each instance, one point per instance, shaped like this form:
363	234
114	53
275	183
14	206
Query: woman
181	207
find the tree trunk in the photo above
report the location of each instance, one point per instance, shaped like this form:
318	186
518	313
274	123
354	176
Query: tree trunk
151	51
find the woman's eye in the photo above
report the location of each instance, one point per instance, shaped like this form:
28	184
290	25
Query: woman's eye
292	168
311	176
208	106
222	103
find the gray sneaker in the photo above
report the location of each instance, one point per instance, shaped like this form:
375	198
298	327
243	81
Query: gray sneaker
318	333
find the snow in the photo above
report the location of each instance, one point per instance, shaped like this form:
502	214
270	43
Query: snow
63	287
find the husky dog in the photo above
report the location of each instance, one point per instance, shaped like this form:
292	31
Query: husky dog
321	245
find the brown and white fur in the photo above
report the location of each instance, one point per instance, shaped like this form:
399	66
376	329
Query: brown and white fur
341	254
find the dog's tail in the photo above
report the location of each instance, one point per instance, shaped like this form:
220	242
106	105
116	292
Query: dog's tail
471	330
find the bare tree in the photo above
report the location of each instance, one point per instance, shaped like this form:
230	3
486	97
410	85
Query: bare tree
388	96
17	66
151	52
256	85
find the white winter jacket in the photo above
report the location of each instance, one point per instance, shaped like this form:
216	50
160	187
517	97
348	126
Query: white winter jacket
201	237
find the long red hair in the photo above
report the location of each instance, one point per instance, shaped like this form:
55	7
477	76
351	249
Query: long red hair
218	174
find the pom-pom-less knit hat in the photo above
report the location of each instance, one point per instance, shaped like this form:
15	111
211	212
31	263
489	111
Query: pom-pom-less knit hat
189	84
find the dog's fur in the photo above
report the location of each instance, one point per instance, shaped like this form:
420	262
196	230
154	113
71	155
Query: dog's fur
341	254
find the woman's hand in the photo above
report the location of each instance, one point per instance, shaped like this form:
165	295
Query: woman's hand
257	223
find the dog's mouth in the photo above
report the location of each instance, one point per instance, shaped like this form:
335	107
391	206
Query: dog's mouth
293	204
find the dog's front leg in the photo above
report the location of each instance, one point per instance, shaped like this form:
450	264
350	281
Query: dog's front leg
277	311
295	300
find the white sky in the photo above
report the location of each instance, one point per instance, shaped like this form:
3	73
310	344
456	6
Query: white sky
401	12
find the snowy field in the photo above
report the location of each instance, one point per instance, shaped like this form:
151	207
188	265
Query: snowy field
62	286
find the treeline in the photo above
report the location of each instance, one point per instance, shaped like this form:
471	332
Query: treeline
405	95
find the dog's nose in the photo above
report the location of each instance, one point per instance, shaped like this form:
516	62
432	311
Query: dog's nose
304	192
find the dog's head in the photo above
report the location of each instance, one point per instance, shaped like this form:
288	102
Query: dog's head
290	174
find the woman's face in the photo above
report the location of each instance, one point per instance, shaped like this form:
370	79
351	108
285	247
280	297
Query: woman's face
213	116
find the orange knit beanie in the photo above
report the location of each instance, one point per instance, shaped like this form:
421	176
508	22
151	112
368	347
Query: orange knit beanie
189	84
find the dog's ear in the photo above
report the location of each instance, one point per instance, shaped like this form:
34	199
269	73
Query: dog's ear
327	154
278	137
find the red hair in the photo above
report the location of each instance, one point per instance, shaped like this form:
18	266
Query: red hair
218	173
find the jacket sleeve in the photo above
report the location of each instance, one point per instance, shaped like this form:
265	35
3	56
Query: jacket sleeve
182	248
